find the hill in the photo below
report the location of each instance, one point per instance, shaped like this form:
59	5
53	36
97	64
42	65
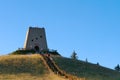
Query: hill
39	67
25	67
84	69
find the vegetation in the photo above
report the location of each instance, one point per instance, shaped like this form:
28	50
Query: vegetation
53	52
25	76
32	67
15	64
117	68
24	67
74	56
87	70
20	52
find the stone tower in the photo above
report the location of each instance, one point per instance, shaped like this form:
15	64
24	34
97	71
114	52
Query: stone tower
35	39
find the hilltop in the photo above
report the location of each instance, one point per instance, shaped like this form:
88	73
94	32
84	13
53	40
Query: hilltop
34	67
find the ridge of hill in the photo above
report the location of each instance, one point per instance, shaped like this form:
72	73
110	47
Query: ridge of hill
85	69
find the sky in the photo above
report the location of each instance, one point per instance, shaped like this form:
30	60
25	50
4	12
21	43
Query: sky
91	28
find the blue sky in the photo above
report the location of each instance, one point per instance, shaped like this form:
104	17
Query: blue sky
90	27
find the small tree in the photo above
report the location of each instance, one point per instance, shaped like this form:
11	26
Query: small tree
98	63
117	68
86	60
74	55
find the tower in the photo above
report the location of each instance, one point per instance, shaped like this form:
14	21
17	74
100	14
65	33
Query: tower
35	39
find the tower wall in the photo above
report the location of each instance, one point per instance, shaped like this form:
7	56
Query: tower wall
35	39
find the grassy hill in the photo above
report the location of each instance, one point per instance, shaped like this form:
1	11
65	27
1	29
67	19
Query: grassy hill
25	67
32	67
88	70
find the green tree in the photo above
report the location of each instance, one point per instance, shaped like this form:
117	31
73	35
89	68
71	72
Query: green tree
74	55
117	68
98	63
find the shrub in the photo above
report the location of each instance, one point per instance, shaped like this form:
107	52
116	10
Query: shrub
53	52
19	52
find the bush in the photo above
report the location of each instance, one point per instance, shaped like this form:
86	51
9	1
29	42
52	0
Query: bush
19	52
22	52
53	52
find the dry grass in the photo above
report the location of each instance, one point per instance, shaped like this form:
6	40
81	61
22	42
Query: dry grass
25	67
32	67
24	76
21	64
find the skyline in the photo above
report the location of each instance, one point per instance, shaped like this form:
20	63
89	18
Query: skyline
89	27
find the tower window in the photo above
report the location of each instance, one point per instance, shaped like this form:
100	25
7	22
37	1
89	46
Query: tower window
32	40
36	38
41	36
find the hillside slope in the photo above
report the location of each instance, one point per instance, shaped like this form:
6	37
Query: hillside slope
85	69
32	67
25	67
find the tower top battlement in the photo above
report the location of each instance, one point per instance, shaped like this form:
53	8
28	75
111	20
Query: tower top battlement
36	27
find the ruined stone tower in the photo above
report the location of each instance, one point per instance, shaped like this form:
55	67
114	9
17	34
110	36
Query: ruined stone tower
35	39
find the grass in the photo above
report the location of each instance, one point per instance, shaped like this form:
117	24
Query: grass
85	69
24	76
25	67
32	67
21	64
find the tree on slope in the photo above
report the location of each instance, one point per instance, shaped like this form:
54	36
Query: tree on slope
117	68
74	55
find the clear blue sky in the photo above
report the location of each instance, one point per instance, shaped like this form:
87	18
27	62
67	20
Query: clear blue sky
90	27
